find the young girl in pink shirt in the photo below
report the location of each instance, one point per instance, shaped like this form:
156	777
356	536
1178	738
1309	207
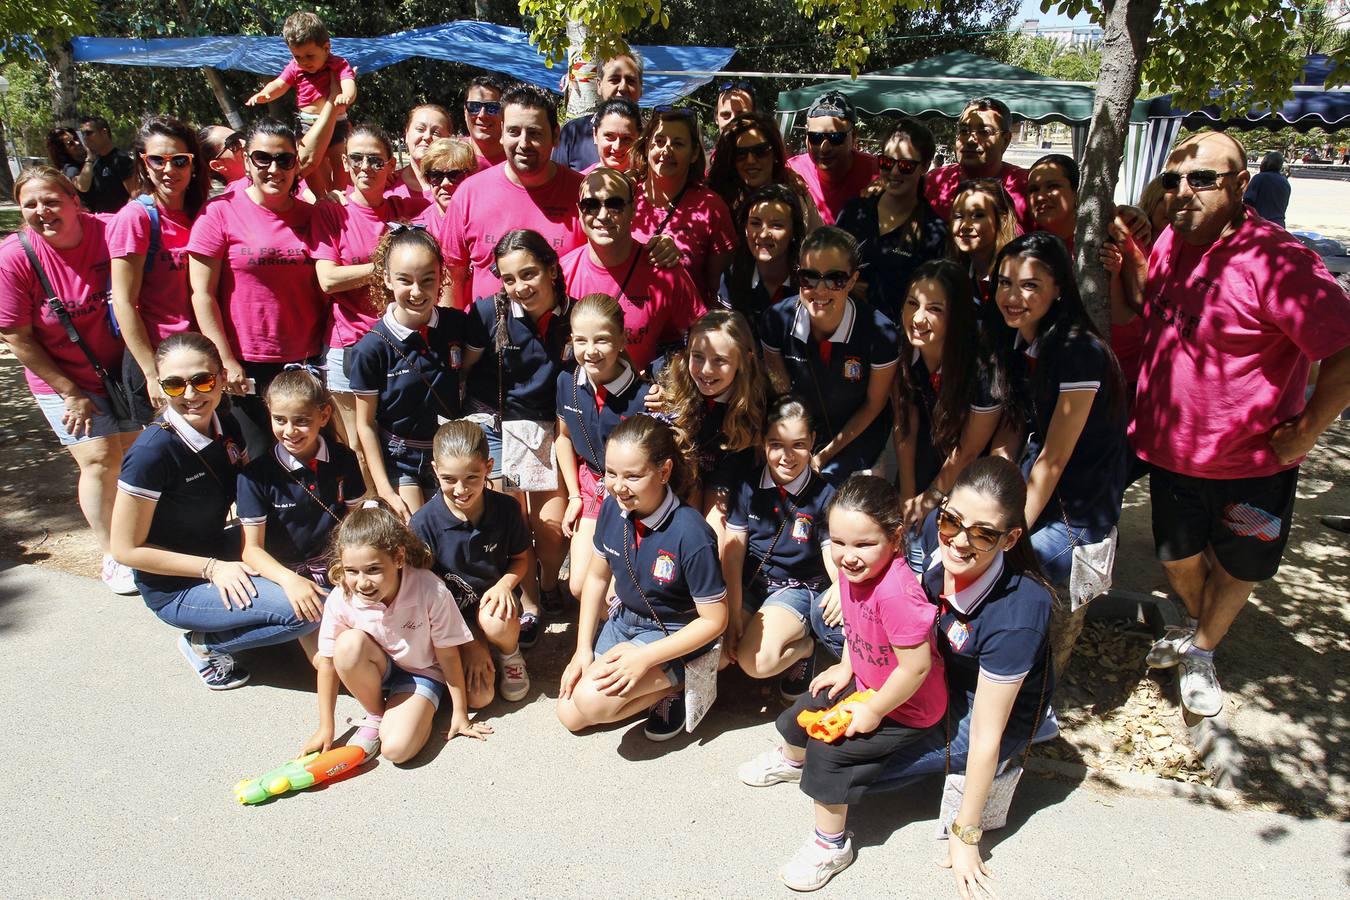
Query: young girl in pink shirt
391	633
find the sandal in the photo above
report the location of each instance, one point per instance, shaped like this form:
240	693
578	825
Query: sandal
367	736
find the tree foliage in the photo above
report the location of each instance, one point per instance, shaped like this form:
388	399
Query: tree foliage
23	26
1046	56
605	23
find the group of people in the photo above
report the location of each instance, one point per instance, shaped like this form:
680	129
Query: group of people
748	409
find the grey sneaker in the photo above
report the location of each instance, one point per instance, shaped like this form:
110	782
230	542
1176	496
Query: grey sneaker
515	680
1167	650
816	863
1200	691
218	671
770	767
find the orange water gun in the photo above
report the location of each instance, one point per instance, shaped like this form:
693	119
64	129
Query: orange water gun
830	724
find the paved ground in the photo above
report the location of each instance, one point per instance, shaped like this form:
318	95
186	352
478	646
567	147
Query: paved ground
122	764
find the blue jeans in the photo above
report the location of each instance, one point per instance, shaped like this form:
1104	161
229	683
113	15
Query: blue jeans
1054	543
928	754
831	636
269	620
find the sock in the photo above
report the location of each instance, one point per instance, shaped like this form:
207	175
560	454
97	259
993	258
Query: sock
795	763
1200	654
830	840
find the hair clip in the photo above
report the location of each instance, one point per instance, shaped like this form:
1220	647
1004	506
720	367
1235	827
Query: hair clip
400	227
308	367
370	504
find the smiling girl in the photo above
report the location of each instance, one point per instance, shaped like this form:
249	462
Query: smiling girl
764	269
983	222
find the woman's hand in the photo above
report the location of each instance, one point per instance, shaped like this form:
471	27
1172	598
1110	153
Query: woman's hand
732	638
397	503
321	740
620	669
236	382
973	878
656	398
479	670
830	609
572	674
663	251
571	516
306	597
500	602
158	399
78	419
836	678
233	581
460	724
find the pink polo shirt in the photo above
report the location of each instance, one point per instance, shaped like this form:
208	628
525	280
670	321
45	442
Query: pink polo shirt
701	227
658	305
940	186
165	301
1229	333
489	204
421	617
311	88
831	194
268	294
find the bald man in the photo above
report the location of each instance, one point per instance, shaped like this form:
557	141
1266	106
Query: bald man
1234	312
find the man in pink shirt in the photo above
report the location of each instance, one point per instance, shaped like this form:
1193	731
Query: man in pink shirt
529	190
659	304
1234	311
982	136
834	169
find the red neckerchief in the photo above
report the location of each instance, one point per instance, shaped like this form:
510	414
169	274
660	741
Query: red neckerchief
601	392
825	349
542	324
1031	363
640	530
936	381
313	464
423	332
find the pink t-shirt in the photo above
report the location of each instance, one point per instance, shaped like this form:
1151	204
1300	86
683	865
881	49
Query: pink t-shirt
239	184
940	185
433	217
1229	332
268	294
831	194
701	227
658	305
80	277
311	88
489	204
165	301
417	200
890	612
422	617
347	235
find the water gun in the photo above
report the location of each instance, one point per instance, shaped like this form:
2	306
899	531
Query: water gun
298	774
830	724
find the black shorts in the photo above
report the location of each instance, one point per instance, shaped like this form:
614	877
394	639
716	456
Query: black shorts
840	772
1244	520
340	131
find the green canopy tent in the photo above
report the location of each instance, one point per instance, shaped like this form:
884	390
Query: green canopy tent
941	86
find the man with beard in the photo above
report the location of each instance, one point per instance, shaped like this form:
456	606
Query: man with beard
982	136
834	169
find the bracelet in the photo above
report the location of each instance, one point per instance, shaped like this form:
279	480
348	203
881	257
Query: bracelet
208	568
573	496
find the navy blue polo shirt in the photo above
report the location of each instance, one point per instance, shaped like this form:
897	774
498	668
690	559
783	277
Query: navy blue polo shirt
284	495
865	340
718	467
758	510
1093	482
416	379
626	396
530	363
192	479
998	627
927	459
676	563
888	260
478	553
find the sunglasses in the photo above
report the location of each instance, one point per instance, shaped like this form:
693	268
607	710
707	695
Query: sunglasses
758	151
905	166
980	537
372	161
984	131
202	383
483	107
232	143
681	112
1199	179
590	206
735	86
177	160
834	279
816	138
454	176
262	159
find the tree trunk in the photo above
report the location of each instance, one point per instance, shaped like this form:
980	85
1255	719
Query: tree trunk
583	75
61	73
223	98
1124	48
6	177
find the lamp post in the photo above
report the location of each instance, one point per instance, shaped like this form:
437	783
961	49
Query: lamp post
12	149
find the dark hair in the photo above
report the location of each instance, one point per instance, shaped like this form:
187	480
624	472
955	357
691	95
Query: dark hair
192	341
527	96
787	406
535	244
56	148
98	122
830	237
488	82
617	106
304	27
722	175
686	117
380	295
985	104
965	359
657	440
919	135
1272	161
371	130
1001	480
874	497
458	438
1066	164
374	524
741	273
303	385
199	188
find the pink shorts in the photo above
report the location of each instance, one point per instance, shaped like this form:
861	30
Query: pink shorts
592	492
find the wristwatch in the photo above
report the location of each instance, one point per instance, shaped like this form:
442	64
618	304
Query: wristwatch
967	834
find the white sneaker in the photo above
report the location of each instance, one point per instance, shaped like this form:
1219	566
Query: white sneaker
770	767
1167	650
1200	691
815	864
118	577
515	680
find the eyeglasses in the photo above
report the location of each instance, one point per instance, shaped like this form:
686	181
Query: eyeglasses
590	206
758	151
232	143
735	86
984	131
483	107
262	159
454	176
816	138
372	161
906	166
980	537
1198	179
177	160
202	383
834	279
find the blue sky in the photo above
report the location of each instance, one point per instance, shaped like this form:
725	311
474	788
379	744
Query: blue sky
1031	9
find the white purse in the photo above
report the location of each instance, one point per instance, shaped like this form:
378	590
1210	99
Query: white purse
528	463
1090	575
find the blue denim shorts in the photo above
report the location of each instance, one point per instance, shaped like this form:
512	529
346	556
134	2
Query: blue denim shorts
797	600
494	442
411	464
401	681
627	627
337	379
53	406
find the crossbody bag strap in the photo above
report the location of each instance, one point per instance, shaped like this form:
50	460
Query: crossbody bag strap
503	322
791	514
313	496
582	419
210	470
58	307
637	584
409	364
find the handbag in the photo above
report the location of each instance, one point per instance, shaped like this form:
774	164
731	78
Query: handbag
118	399
1090	572
700	675
527	460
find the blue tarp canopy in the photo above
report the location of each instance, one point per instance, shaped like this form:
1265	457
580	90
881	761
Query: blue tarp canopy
1312	106
496	48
